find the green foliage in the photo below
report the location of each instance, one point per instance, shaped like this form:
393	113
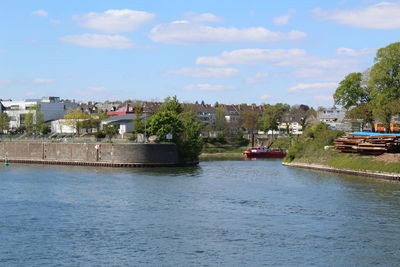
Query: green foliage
28	123
163	123
99	135
74	116
376	93
351	91
44	129
312	142
250	119
185	130
385	73
220	123
4	122
110	130
190	142
33	120
171	104
138	125
364	112
240	140
386	111
220	138
272	116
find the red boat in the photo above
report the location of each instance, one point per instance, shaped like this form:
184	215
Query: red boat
264	152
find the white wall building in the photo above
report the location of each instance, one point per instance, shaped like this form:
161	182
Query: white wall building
52	108
62	126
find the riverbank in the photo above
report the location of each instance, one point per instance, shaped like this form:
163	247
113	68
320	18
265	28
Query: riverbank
379	175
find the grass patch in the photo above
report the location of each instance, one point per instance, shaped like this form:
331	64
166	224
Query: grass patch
309	149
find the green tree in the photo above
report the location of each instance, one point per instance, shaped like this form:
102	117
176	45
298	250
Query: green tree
163	123
171	104
352	91
183	126
385	112
96	119
110	130
303	113
190	142
272	116
363	112
250	119
220	123
250	122
4	122
33	119
28	123
385	82
385	73
138	125
73	118
44	129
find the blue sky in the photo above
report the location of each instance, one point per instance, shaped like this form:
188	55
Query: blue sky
213	51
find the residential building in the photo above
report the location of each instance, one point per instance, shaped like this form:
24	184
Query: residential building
334	116
204	113
52	108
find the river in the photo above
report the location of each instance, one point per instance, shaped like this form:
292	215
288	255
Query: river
221	213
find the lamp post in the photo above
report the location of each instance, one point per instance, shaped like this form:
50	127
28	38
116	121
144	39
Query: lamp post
145	138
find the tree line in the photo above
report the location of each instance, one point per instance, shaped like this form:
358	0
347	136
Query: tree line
374	93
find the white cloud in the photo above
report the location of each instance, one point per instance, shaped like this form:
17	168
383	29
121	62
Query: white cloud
40	13
257	78
312	87
204	17
284	19
343	51
205	72
301	63
99	41
115	21
185	32
4	82
42	81
252	57
383	15
207	87
266	97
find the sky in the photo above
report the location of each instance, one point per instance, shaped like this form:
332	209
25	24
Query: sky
231	52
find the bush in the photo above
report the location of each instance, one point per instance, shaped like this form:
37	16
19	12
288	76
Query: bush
312	143
99	135
220	138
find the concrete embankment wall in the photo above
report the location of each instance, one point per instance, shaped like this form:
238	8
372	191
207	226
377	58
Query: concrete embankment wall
124	155
379	175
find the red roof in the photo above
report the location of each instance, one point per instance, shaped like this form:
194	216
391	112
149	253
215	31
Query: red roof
122	111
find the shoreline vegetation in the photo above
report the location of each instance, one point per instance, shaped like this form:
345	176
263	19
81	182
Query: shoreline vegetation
370	98
309	151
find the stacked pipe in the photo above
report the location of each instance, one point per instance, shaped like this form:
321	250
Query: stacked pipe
368	144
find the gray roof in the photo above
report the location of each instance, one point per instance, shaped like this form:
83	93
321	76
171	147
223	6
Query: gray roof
127	117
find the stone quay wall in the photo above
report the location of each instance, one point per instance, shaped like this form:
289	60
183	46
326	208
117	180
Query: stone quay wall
114	155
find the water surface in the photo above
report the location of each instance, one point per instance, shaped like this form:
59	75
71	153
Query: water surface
221	213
